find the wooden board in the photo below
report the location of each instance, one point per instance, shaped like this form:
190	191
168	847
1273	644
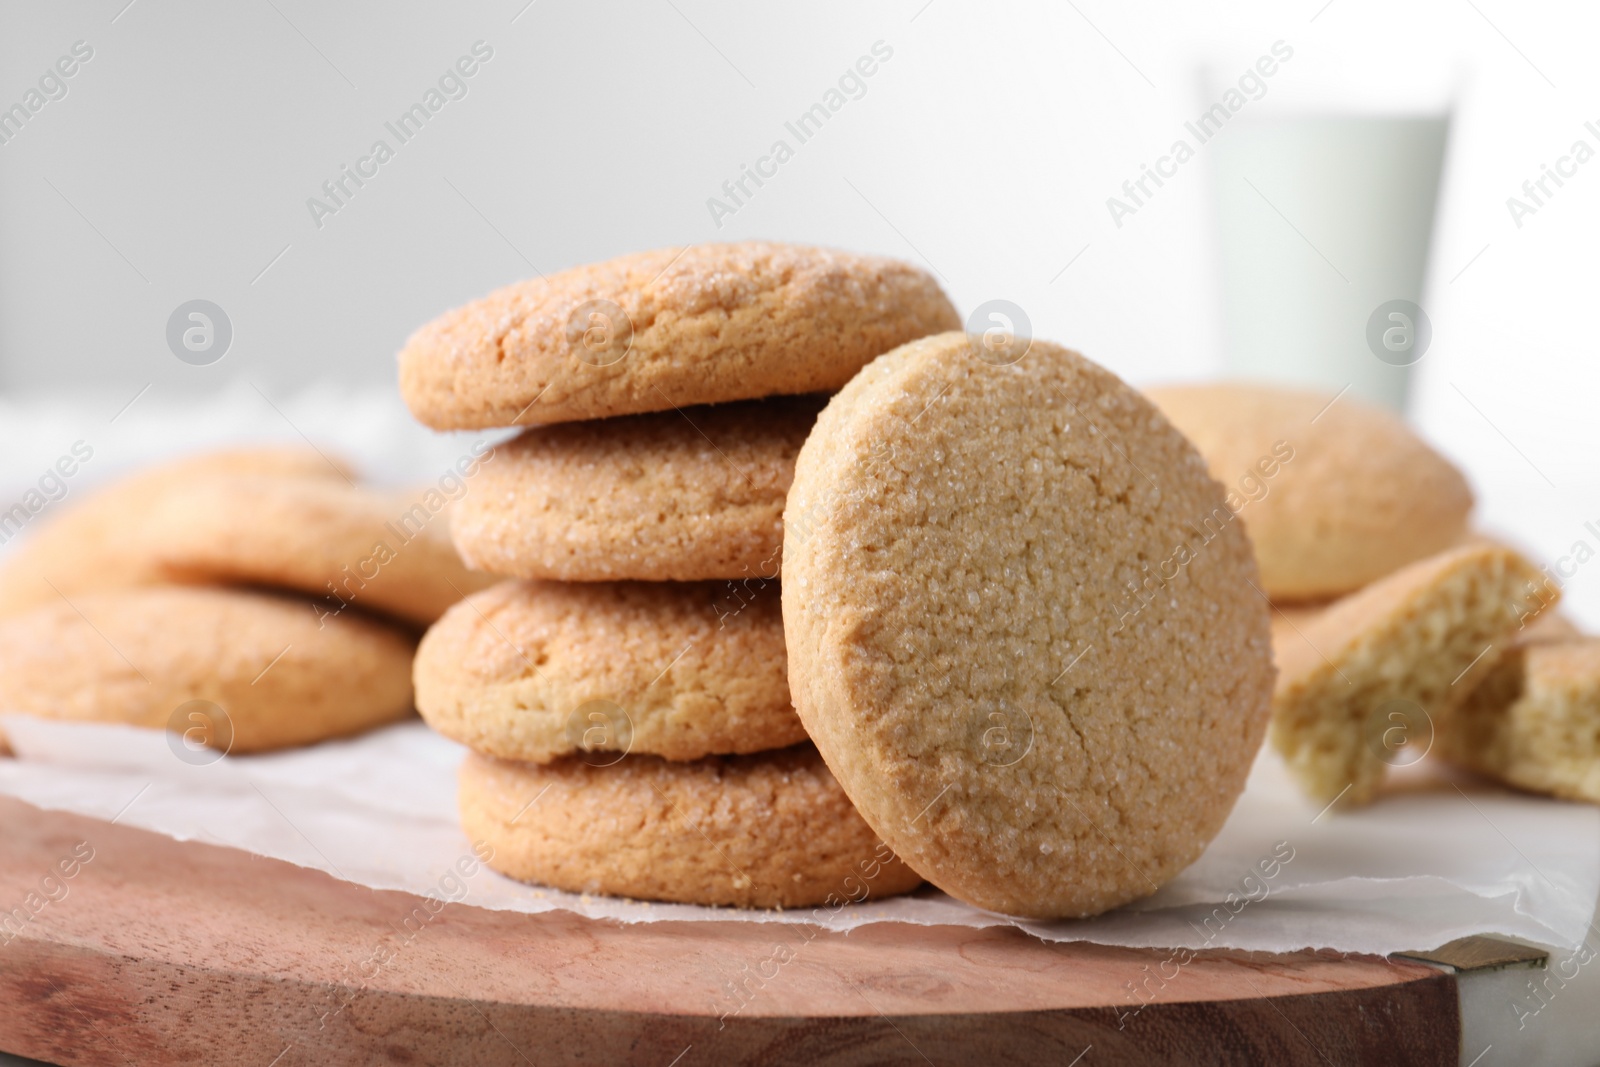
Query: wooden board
160	952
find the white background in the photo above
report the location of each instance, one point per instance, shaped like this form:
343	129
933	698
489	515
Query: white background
179	164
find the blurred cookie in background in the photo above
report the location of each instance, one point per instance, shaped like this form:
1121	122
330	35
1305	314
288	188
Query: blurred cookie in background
251	671
281	518
1334	492
1534	721
1368	673
102	540
386	551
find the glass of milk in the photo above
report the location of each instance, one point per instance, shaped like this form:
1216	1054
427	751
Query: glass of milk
1325	187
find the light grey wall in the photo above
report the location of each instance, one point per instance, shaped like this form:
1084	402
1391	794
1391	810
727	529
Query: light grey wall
179	163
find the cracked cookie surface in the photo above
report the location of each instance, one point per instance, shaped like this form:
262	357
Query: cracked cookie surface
668	496
1021	626
772	830
535	671
663	329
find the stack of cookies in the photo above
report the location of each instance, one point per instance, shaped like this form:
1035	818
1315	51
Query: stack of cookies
955	530
625	691
245	600
1395	629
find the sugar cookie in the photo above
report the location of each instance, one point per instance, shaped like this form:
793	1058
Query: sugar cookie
1534	721
1335	493
767	831
144	656
387	551
1021	625
664	329
99	542
1374	671
669	496
539	670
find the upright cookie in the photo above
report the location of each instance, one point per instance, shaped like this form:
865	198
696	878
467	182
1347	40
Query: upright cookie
345	546
160	657
1336	493
766	831
539	670
1388	659
1021	626
664	329
1534	721
670	496
100	542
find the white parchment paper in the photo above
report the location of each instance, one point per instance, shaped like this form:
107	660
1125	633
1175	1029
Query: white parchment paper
1433	859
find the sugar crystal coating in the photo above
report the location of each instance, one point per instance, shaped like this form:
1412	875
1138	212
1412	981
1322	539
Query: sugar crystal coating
667	496
764	831
1019	614
678	669
697	325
